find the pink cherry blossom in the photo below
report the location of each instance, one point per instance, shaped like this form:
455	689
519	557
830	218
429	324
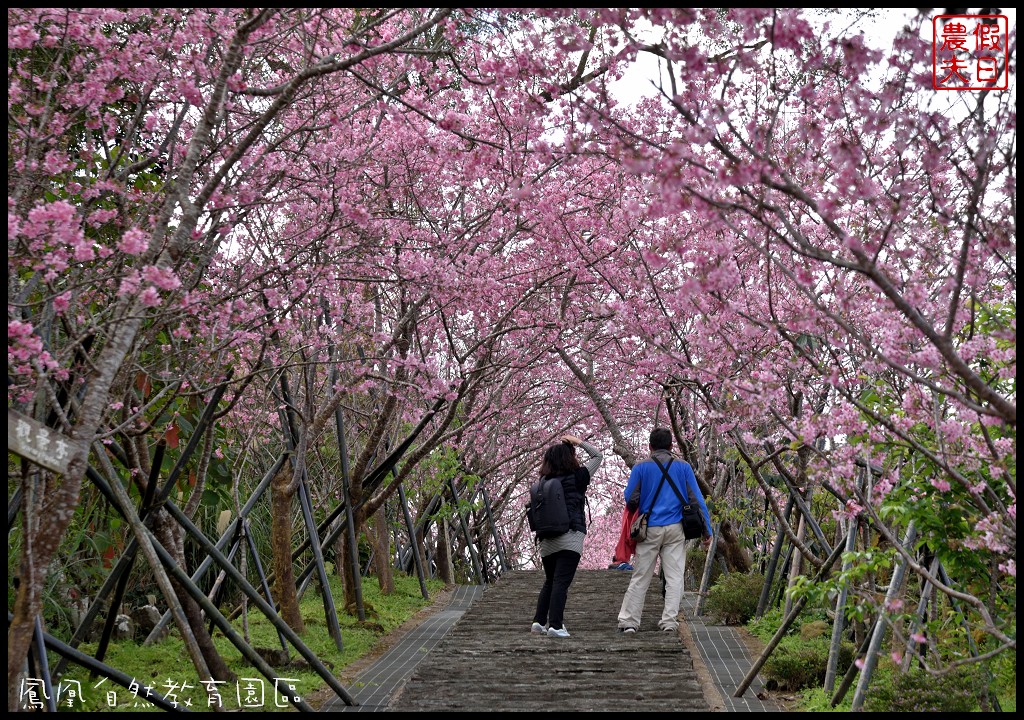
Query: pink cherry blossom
134	242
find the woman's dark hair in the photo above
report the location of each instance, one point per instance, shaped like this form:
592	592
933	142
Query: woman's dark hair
559	459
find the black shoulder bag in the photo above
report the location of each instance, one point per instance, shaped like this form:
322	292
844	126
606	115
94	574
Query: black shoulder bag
693	519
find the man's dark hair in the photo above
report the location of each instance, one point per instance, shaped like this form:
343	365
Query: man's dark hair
661	439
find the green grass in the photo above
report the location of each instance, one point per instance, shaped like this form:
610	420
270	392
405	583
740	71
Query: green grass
165	665
817	700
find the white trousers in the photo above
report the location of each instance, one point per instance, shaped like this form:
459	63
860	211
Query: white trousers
668	543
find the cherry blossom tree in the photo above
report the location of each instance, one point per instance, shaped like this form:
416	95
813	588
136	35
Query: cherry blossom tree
138	140
839	244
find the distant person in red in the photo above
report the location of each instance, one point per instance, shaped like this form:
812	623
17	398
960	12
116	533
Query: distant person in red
626	546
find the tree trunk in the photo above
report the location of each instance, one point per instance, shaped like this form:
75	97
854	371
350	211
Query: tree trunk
420	546
47	509
341	557
444	554
736	557
282	491
170	537
381	541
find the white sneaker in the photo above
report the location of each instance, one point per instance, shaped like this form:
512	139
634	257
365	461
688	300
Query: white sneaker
538	629
558	632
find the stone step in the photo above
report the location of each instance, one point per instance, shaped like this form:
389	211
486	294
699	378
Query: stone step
490	662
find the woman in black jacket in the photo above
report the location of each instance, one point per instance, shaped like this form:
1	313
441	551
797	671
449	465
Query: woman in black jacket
561	555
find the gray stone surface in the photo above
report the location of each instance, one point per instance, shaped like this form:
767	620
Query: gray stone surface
490	662
727	661
477	654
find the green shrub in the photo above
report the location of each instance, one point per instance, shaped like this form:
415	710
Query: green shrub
764	627
797	663
815	629
919	691
733	599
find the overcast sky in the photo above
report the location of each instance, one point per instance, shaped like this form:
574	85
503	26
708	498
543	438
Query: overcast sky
879	26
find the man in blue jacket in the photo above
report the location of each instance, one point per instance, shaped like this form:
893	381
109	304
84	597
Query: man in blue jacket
664	531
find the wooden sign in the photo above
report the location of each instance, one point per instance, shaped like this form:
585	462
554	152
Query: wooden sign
34	441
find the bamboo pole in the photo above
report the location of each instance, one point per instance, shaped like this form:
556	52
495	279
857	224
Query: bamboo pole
318	559
306	508
265	607
243	584
839	623
144	507
805	514
851	672
773	562
350	523
411	529
922	606
871	658
499	547
228	533
43	669
120	500
474	557
251	544
229	631
705	580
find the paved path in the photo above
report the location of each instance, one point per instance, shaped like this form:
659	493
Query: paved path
477	655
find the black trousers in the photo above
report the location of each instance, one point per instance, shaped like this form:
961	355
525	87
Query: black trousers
559	570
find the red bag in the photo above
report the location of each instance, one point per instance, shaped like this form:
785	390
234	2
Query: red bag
627	546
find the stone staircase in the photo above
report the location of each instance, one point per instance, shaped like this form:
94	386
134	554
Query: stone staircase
490	662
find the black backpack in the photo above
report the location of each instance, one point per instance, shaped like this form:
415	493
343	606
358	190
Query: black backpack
547	512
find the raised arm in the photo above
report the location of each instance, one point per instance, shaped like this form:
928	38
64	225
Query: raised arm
594	461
